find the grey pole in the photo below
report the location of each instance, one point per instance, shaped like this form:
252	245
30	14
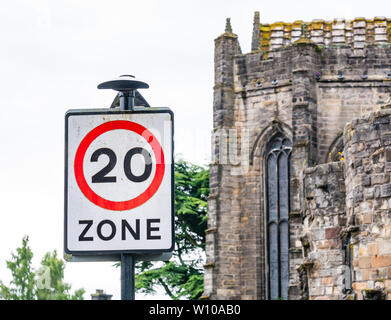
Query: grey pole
126	100
127	277
126	85
127	260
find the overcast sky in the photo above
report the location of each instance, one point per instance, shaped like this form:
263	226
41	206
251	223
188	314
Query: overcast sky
53	55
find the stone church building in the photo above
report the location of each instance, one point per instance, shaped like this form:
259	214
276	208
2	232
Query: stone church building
300	189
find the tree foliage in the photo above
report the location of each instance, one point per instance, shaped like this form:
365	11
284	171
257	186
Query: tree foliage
182	276
44	284
22	286
58	289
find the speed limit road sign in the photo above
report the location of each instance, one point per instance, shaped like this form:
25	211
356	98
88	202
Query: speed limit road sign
119	181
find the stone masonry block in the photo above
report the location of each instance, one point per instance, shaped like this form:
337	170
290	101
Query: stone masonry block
381	261
384	247
332	233
364	262
385	190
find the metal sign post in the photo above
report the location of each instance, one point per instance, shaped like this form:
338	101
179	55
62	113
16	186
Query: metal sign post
127	277
127	88
119	183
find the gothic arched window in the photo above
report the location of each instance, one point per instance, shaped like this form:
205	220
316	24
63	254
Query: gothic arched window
277	182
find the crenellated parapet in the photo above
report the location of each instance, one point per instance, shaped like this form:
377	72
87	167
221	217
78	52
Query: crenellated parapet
356	33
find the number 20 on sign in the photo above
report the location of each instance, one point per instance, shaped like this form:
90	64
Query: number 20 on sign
118	181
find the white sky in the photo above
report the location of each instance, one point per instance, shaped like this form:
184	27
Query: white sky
53	54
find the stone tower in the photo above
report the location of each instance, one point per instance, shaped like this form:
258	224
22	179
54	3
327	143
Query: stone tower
300	190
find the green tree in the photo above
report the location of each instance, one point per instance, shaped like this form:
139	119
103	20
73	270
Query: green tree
182	276
57	289
44	284
22	286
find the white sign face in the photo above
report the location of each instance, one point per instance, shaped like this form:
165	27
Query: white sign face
119	181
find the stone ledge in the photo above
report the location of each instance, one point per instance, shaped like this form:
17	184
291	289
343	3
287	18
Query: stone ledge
210	230
301	70
227	35
265	86
295	214
369	80
355	84
212	196
209	265
348	230
224	86
306	265
302	143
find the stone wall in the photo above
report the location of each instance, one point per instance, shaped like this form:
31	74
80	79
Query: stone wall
367	155
324	218
349	85
343	84
346	234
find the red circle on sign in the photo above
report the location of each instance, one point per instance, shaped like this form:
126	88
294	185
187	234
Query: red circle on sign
119	205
